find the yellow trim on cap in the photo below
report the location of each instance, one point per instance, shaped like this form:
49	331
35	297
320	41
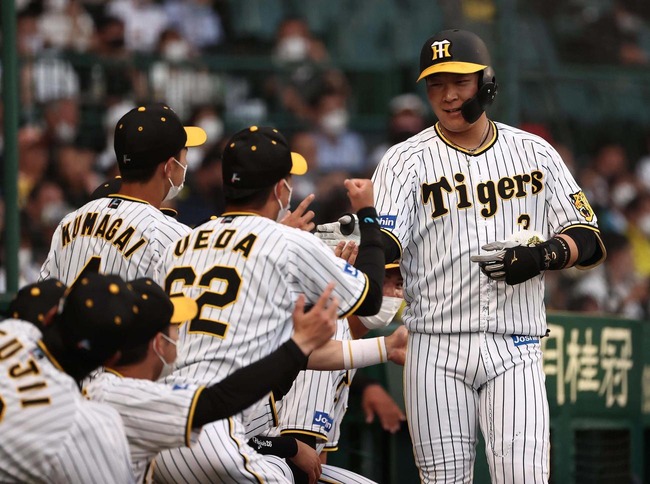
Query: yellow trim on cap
195	136
452	67
299	164
185	308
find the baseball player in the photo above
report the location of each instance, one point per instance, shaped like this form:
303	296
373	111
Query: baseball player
245	272
50	433
125	233
449	198
159	416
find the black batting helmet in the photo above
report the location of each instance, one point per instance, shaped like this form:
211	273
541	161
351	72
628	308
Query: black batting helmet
461	52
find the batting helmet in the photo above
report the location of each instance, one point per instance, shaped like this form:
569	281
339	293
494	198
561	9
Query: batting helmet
461	52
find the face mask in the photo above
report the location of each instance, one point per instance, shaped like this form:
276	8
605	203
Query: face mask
292	49
644	225
176	51
389	308
283	210
175	190
167	368
334	122
65	132
213	127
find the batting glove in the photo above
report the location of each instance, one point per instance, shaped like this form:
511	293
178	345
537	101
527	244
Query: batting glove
346	228
514	263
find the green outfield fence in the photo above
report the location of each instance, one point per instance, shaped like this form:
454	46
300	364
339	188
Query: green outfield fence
598	382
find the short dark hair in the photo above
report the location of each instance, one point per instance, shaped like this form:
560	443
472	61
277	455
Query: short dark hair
142	174
138	353
255	200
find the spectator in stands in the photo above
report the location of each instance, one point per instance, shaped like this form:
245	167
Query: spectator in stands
73	171
616	285
66	25
144	22
407	118
637	214
197	21
32	160
207	117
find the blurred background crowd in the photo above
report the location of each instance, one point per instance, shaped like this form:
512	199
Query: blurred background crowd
338	78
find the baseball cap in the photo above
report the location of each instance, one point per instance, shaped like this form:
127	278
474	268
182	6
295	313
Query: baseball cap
97	316
107	188
455	51
150	134
33	301
158	309
256	158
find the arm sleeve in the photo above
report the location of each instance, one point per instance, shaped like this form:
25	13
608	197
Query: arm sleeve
247	385
282	446
591	249
371	261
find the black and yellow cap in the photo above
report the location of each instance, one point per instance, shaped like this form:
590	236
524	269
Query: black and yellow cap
256	158
151	134
456	51
33	301
158	309
97	316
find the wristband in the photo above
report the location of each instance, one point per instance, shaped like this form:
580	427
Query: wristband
555	254
364	352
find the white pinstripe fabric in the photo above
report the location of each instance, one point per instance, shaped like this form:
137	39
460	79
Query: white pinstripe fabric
48	431
72	247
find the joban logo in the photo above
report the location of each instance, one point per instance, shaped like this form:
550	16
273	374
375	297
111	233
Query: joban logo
387	221
322	419
524	340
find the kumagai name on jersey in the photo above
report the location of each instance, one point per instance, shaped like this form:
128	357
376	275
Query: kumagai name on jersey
103	226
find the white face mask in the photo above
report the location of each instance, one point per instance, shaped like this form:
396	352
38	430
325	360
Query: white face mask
389	307
176	51
175	190
334	122
283	210
213	128
292	49
167	368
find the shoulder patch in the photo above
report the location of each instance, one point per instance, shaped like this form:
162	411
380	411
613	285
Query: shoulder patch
114	203
581	203
387	221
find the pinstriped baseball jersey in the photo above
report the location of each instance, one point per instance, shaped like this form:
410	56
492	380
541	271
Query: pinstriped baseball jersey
441	204
245	273
156	416
112	235
49	432
317	401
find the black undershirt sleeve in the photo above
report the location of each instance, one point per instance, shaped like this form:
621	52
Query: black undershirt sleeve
589	250
282	446
371	261
247	385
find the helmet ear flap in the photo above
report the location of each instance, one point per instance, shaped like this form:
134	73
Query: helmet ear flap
487	87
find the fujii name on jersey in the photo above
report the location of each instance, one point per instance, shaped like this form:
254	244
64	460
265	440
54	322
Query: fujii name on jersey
85	225
487	193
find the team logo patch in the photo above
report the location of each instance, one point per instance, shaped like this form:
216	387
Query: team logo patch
387	221
519	339
350	269
581	203
322	419
180	386
114	203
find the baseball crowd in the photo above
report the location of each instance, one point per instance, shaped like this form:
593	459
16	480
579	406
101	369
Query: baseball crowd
229	178
70	108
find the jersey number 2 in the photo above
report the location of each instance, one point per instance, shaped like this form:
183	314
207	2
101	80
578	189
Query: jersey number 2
228	275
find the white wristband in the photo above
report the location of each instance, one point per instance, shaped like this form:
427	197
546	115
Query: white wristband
364	352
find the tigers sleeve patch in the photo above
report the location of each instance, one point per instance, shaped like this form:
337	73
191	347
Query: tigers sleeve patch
581	203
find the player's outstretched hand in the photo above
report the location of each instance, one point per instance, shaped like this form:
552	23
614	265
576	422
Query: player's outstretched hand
308	461
301	218
360	193
347	251
376	401
396	345
344	229
313	328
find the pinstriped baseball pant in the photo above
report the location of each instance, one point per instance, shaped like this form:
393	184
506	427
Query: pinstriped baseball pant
456	383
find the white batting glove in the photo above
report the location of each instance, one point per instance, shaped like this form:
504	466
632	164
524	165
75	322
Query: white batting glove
346	228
